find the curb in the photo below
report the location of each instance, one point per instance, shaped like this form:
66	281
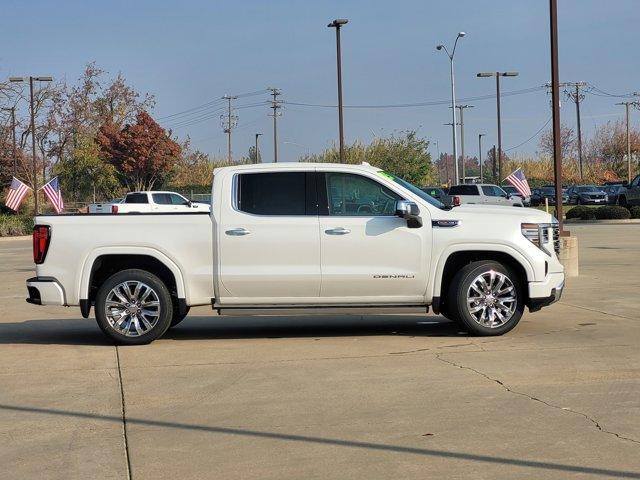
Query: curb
621	221
14	238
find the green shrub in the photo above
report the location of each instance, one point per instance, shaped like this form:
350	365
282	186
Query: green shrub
15	225
582	212
612	212
635	212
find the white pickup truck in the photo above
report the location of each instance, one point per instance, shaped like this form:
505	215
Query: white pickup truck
149	201
290	238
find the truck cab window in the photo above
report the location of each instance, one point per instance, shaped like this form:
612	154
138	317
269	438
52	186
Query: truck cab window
162	198
355	195
136	198
278	193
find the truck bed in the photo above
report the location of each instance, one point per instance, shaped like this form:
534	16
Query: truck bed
184	239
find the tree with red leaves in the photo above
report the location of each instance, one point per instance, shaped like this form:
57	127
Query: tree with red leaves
142	152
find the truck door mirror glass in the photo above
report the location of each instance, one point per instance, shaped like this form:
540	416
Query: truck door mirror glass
410	212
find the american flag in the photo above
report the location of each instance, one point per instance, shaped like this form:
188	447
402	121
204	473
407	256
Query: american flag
17	192
53	193
518	180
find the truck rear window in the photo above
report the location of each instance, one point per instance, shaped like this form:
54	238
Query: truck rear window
464	190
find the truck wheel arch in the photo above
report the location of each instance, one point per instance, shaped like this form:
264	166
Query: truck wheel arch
459	255
114	259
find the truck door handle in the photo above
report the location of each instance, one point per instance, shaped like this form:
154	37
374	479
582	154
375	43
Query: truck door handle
237	232
337	231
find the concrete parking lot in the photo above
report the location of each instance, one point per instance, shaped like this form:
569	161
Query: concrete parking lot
384	397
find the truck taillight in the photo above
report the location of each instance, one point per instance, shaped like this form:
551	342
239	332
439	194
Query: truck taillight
114	208
41	238
456	201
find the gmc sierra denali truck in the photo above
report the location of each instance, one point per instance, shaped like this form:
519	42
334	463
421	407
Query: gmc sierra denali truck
291	238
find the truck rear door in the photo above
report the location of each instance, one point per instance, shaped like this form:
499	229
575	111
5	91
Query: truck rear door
268	239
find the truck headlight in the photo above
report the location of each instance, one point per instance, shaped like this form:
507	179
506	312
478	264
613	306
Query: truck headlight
545	236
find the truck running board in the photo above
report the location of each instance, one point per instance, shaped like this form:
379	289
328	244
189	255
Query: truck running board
322	310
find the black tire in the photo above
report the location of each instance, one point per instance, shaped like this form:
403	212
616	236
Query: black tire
622	201
177	317
158	324
461	285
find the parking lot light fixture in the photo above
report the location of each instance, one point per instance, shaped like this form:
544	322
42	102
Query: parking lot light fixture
442	47
33	130
498	75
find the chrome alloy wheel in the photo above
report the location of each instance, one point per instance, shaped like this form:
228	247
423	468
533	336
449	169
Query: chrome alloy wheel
132	308
491	299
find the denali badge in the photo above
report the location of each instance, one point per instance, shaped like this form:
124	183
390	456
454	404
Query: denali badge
394	276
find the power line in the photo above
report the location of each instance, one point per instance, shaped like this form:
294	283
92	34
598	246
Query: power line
531	137
421	104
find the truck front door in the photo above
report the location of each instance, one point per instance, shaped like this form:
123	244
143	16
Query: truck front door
368	254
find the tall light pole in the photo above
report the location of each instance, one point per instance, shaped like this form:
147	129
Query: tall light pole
12	110
480	135
33	130
257	151
453	100
498	75
337	24
555	112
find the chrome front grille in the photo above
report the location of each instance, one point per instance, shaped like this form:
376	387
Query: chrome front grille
556	238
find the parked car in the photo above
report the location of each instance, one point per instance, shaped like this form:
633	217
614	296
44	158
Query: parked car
631	195
438	193
613	193
586	195
484	194
150	201
308	237
513	191
538	196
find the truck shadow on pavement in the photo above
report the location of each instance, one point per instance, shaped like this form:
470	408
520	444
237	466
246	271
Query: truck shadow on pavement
86	332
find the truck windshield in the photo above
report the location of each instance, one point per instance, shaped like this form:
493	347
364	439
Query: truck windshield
415	190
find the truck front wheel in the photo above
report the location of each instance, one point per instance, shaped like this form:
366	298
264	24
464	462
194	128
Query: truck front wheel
134	307
486	298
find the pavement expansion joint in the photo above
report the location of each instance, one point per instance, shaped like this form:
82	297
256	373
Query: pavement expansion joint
536	399
123	410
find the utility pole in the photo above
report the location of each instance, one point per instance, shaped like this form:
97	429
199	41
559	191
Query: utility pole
461	108
626	106
275	105
228	124
13	137
495	172
572	91
257	151
480	135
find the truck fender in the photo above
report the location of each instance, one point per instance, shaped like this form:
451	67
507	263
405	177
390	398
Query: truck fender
85	276
466	247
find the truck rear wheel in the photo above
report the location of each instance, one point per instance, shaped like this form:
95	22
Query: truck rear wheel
486	298
134	307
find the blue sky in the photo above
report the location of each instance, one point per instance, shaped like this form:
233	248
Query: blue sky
189	53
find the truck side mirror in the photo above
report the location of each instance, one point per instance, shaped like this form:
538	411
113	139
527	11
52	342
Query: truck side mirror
410	212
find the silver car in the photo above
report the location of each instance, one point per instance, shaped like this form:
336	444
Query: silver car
483	194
